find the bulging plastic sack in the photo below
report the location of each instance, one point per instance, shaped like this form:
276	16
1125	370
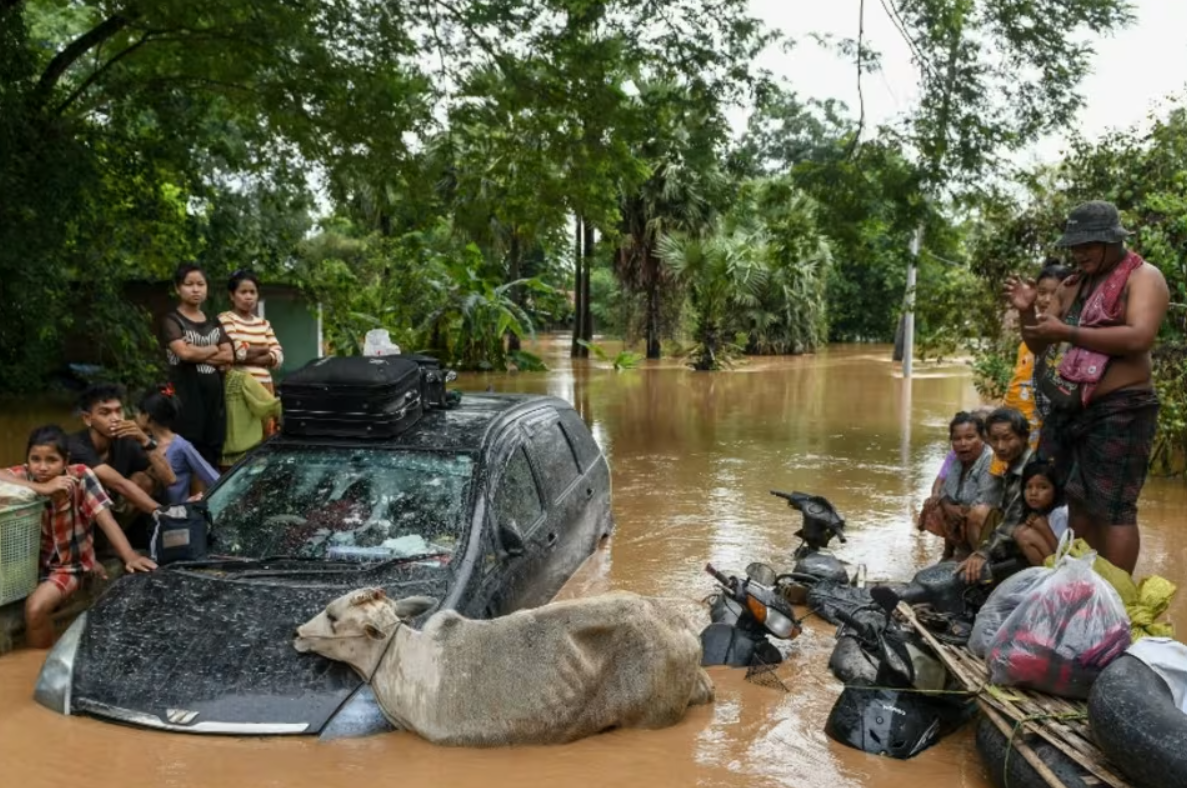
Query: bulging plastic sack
378	342
1063	633
1001	603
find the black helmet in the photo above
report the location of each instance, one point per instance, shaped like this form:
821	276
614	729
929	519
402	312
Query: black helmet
896	723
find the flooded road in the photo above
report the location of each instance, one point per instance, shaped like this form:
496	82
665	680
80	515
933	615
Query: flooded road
694	457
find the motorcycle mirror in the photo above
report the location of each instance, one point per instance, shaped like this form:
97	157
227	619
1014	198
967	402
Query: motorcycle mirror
761	574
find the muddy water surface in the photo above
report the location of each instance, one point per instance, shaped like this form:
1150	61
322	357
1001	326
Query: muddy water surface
693	457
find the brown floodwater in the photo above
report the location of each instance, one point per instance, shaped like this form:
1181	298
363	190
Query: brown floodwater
694	456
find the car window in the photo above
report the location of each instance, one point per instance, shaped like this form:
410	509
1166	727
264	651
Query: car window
517	501
582	441
554	459
326	502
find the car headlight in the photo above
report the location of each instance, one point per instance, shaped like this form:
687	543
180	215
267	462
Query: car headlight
57	674
360	715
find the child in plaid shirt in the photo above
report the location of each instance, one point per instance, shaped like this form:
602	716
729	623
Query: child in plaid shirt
76	501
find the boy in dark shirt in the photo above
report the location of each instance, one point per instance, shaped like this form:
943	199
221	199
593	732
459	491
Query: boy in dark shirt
126	460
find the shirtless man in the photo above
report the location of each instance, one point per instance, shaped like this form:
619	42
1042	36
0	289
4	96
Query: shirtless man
1100	429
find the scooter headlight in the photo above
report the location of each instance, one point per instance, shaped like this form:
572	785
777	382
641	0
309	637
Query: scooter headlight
781	626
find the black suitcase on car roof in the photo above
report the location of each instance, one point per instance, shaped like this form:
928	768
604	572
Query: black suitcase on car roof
352	397
433	394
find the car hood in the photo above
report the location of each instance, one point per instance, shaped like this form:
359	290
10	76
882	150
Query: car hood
211	652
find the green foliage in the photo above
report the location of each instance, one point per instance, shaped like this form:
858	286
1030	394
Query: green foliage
527	362
1169	456
993	368
622	360
789	314
722	272
153	133
997	76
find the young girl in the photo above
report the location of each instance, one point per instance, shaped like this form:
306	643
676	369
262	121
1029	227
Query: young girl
1046	514
76	502
159	412
197	346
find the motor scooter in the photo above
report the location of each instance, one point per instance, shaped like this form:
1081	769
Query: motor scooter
820	524
744	611
893	713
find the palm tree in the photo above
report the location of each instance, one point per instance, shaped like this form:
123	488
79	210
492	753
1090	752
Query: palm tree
724	274
680	195
790	315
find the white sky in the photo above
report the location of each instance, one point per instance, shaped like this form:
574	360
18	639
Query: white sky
1133	71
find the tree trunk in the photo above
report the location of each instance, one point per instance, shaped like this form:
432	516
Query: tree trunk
587	299
513	273
577	351
653	344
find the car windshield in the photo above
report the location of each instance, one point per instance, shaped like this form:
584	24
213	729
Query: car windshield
342	503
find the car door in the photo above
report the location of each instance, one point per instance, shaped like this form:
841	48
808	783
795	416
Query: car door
596	520
510	581
566	539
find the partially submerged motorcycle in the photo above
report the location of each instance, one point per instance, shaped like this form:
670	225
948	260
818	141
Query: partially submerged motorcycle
744	611
894	712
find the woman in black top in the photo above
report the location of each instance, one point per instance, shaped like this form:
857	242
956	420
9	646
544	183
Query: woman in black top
197	347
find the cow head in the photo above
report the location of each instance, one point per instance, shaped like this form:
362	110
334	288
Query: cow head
356	628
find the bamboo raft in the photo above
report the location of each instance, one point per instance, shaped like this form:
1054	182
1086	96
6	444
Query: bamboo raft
1060	722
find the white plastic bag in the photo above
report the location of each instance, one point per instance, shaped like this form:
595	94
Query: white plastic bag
1063	633
378	342
1001	603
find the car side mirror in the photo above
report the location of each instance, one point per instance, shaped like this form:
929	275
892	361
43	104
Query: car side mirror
511	539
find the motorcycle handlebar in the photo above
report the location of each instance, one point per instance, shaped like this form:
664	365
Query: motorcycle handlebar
848	618
719	577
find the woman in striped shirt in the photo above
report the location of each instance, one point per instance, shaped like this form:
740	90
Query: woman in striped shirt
256	347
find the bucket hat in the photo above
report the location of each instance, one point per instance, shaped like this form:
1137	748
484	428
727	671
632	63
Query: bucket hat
1093	222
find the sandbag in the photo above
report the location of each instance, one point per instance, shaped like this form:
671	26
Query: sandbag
1001	603
1064	632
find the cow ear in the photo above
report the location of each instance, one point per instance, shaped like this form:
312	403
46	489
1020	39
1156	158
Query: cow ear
365	595
374	632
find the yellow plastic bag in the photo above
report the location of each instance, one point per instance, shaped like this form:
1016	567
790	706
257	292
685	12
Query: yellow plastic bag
1144	602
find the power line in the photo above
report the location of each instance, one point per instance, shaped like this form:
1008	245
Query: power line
900	25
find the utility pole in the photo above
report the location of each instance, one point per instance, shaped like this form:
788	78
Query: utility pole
909	302
932	175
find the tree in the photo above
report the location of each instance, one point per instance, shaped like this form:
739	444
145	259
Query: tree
683	193
721	270
790	313
996	76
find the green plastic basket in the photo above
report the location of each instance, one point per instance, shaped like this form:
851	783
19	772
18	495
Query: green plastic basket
20	544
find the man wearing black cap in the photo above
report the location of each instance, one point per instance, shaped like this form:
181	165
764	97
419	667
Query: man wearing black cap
1093	370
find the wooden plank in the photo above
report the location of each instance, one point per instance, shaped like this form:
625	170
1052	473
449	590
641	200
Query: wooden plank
1074	742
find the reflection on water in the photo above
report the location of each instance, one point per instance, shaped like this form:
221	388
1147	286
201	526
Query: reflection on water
694	457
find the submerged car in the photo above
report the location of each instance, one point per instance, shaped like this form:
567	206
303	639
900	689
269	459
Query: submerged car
488	507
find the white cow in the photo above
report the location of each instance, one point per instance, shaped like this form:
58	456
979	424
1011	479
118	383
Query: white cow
542	676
